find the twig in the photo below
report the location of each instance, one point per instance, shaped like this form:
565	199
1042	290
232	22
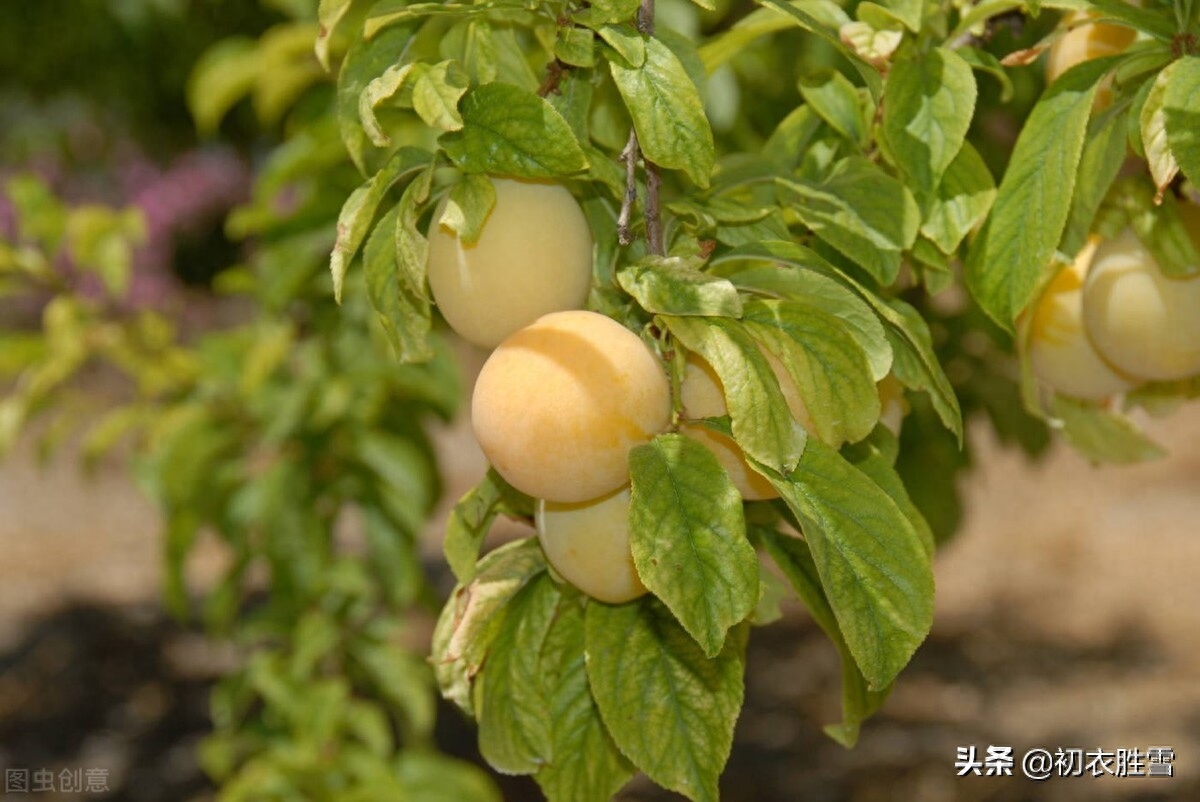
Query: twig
554	75
630	156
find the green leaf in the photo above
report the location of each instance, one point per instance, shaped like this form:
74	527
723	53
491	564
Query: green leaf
403	679
471	618
1153	121
1102	435
762	424
930	100
870	458
1103	156
670	709
803	15
793	557
468	206
667	113
586	765
405	317
862	212
961	202
827	365
672	287
576	47
472	518
511	131
1181	106
222	76
412	247
514	720
431	777
627	41
907	12
1165	235
688	538
329	14
358	212
872	563
752	268
915	363
436	95
837	102
1008	257
366	60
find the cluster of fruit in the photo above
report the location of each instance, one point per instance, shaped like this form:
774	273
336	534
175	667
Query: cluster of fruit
567	393
1112	320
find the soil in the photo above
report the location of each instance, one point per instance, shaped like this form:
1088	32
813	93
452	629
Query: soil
1068	615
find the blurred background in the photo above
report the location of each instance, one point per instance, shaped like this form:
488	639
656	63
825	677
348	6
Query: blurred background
1068	608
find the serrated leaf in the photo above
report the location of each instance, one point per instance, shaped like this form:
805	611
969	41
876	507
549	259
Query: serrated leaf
472	518
668	115
836	101
915	363
406	318
514	720
1101	435
688	538
412	247
762	423
358	212
1103	156
576	47
366	60
626	41
806	16
670	709
1153	121
930	100
862	212
381	89
586	765
793	557
668	285
511	131
870	458
872	564
961	201
1181	107
436	95
468	206
827	365
471	618
749	268
1008	257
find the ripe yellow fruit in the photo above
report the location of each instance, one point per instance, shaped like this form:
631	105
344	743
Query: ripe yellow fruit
1142	322
1060	353
704	397
533	257
1088	41
588	545
560	403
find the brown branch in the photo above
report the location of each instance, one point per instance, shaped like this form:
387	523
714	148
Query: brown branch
554	75
630	156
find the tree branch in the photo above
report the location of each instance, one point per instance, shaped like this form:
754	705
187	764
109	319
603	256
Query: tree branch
630	156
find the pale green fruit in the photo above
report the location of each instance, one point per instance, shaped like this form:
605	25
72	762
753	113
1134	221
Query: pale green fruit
1142	322
533	256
